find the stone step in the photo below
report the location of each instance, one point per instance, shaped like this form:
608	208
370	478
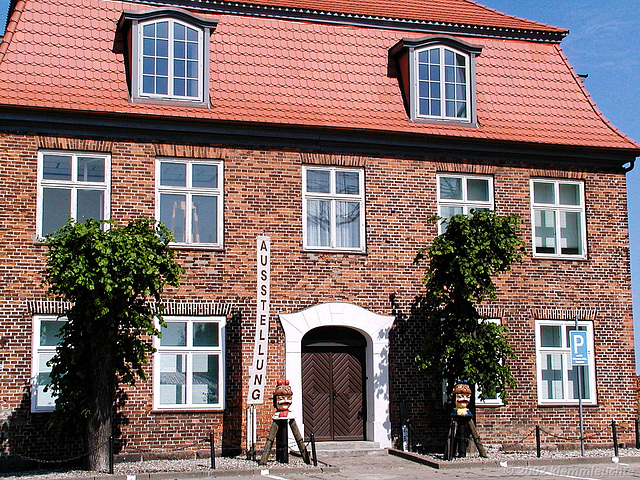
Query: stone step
348	449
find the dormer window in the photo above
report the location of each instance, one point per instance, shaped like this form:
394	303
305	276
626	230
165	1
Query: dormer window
442	84
170	60
168	55
437	78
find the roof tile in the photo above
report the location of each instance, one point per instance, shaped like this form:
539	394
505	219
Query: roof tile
282	72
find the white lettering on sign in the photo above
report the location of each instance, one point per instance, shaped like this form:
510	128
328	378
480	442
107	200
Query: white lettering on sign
258	368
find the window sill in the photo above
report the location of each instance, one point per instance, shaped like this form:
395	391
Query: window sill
334	251
196	246
567	404
174	102
578	258
160	411
445	121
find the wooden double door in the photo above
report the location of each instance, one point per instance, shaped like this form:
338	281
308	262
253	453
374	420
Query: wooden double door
333	386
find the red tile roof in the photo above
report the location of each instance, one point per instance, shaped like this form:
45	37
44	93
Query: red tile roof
464	12
295	73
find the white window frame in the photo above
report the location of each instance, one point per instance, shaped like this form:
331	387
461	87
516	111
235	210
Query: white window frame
565	352
333	197
74	185
36	351
189	191
138	59
558	209
464	203
489	402
415	82
189	350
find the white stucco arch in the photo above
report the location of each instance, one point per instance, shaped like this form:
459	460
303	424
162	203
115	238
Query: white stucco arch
375	329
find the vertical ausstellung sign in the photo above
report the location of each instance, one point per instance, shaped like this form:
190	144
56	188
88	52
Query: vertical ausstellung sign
258	369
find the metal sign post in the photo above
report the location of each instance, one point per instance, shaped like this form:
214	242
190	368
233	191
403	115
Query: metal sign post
579	358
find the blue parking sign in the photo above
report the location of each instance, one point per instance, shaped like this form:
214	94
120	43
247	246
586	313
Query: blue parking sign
578	344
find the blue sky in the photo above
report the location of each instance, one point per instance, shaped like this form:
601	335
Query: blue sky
604	42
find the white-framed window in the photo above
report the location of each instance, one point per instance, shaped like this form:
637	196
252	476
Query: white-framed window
71	185
333	208
558	218
557	378
442	83
171	60
460	194
190	200
496	400
189	364
43	347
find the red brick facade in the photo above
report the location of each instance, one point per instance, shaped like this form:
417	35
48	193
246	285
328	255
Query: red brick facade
324	90
263	194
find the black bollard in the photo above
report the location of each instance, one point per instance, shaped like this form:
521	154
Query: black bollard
615	437
282	442
212	448
538	453
111	455
637	433
313	450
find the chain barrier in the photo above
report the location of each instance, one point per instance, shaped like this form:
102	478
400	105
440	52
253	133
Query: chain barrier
521	441
66	460
86	454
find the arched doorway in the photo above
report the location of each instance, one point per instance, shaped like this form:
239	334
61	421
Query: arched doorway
333	386
375	329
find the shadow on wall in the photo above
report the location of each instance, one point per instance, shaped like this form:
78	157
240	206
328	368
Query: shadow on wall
420	395
27	440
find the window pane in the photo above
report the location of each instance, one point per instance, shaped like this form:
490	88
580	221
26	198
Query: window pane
574	382
179	31
90	169
569	194
179	50
204	176
450	188
348	183
552	376
205	379
172	214
56	209
174	335
56	167
204	220
543	192
179	87
545	231
570	233
550	336
424	108
446	212
90	205
43	378
49	330
205	334
162	29
173	388
348	224
318	181
318	223
478	190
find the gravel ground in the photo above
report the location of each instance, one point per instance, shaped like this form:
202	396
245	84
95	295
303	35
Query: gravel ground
242	464
497	454
153	466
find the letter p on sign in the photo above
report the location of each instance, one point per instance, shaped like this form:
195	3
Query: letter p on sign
578	344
